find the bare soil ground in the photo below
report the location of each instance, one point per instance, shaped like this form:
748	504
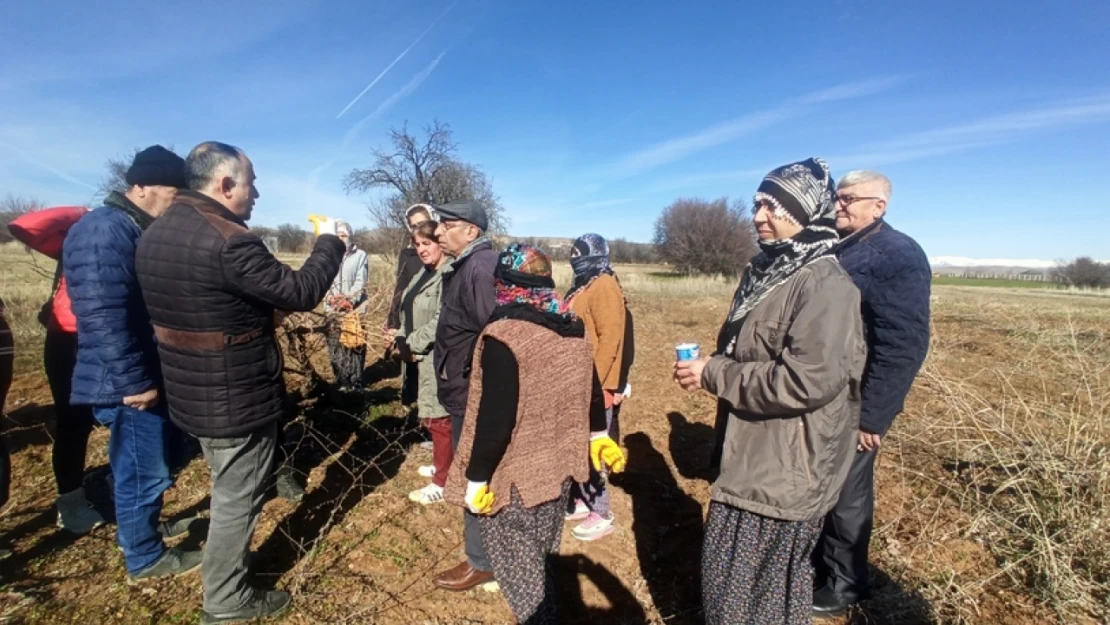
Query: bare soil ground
956	536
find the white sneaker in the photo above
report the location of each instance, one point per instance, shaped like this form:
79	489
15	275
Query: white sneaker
581	511
428	495
594	527
426	470
75	514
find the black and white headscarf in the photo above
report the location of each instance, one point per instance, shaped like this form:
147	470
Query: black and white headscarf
590	259
801	192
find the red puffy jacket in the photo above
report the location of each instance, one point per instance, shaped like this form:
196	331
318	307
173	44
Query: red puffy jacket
44	231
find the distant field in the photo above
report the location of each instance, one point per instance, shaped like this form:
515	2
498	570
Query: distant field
994	282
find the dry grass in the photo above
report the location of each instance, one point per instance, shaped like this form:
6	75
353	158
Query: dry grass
1011	419
991	497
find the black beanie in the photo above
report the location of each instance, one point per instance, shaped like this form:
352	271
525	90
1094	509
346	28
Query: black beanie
157	166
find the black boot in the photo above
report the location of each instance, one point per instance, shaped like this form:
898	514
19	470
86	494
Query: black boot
827	603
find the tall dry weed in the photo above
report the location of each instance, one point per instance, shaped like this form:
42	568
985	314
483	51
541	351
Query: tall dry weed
1023	438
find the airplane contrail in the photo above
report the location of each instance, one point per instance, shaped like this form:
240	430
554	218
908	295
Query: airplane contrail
399	57
34	161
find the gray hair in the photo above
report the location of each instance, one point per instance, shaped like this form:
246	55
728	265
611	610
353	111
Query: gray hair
207	159
863	176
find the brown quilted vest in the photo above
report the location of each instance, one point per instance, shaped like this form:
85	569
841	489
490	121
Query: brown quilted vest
551	439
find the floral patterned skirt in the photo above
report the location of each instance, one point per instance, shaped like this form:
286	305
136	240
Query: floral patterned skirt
756	570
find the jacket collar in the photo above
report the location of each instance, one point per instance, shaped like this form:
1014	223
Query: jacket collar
205	204
850	240
480	243
120	202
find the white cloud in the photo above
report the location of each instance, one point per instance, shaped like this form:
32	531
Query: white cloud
676	149
987	131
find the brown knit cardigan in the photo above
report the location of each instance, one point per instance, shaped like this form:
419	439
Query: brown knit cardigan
551	439
601	307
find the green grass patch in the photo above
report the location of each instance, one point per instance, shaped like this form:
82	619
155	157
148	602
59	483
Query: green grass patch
994	282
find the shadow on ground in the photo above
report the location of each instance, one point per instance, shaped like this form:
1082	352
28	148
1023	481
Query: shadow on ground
891	604
668	527
367	452
569	571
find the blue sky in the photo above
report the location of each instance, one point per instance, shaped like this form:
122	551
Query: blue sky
991	118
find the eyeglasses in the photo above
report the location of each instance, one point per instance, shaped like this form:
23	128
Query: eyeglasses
451	224
848	200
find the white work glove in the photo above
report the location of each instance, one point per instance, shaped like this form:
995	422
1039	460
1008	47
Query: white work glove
322	224
478	498
627	392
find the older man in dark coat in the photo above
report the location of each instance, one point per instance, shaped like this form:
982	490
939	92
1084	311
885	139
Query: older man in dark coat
212	289
468	300
893	276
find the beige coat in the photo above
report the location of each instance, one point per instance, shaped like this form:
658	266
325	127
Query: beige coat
790	397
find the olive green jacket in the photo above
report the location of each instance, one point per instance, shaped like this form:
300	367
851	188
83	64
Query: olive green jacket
790	397
425	317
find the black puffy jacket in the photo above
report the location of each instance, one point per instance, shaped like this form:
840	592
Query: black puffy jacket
211	288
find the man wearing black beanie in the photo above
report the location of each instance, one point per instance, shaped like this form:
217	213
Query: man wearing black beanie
117	371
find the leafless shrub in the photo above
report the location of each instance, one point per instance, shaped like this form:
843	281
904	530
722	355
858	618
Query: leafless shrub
422	170
1026	452
1083	272
700	237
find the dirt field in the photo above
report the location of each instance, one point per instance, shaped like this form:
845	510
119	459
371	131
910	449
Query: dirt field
991	489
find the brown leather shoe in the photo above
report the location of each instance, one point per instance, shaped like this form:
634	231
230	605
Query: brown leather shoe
462	577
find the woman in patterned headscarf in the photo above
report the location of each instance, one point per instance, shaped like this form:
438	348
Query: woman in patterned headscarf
787	373
524	442
596	297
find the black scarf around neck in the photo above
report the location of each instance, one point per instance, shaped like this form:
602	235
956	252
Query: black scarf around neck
120	202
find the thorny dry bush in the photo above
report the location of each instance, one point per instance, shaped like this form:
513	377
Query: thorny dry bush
360	442
1023	441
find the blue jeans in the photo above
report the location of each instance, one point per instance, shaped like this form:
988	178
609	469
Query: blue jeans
141	447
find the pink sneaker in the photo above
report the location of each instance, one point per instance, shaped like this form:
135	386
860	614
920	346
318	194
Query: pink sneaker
581	511
594	527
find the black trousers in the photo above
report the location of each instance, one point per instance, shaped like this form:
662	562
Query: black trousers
73	424
840	559
473	543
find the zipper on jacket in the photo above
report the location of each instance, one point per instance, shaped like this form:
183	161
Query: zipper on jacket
803	452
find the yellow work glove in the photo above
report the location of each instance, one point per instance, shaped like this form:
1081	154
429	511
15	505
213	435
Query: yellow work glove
604	451
322	224
478	498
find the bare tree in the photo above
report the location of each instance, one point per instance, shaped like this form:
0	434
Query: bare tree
13	206
1083	272
422	170
292	239
115	178
700	237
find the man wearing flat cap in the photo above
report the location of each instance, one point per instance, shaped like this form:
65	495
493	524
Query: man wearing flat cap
468	300
118	372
